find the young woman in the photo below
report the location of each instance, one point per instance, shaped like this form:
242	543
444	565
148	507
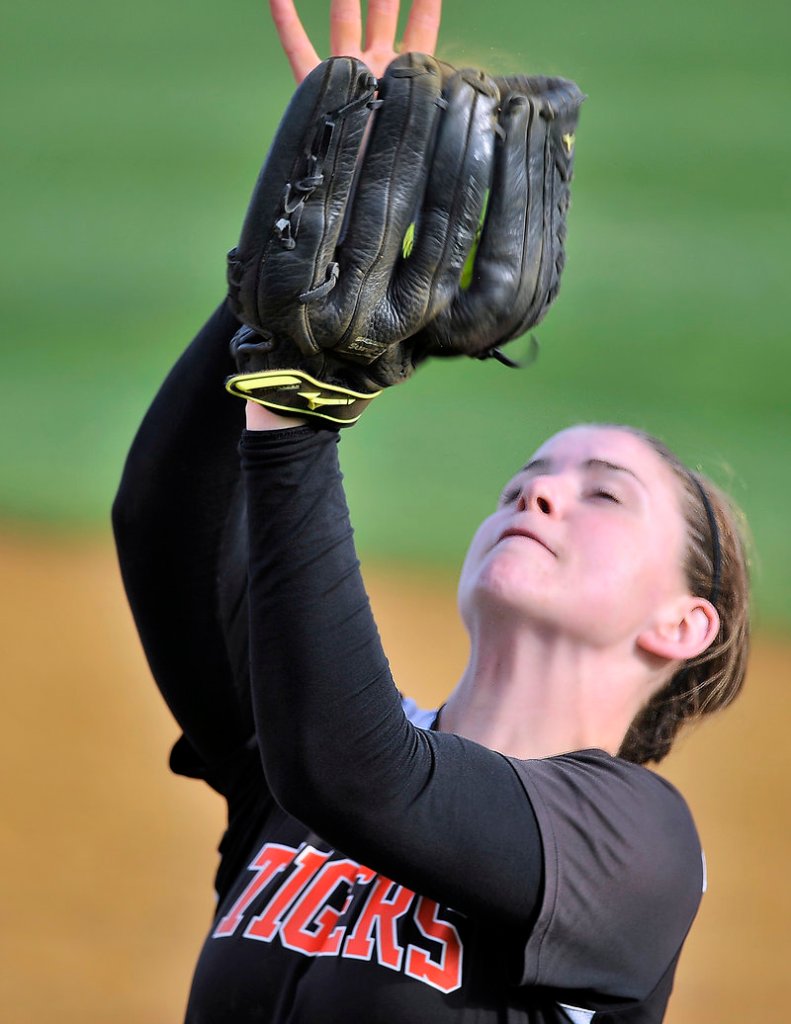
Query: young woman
505	859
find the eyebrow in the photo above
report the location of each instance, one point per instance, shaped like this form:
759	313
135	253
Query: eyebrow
588	464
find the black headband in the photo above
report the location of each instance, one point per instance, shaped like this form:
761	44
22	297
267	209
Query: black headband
714	533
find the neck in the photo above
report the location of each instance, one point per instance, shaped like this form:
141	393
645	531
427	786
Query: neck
529	693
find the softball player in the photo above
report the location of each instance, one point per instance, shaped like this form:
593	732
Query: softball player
507	858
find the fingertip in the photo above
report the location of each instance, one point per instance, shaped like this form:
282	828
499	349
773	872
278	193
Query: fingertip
422	30
296	44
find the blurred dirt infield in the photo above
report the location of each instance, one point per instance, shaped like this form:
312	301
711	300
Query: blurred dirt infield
107	860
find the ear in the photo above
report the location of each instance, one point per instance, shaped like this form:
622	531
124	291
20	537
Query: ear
683	630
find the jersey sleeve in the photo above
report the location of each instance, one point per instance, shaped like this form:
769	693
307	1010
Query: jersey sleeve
623	875
437	813
178	517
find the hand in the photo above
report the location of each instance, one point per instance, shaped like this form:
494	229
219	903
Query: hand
346	32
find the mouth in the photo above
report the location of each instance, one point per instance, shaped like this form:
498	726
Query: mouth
514	531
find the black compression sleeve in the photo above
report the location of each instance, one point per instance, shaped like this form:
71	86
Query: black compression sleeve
437	813
177	511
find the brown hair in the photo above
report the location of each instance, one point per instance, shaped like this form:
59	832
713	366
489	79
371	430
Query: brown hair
716	568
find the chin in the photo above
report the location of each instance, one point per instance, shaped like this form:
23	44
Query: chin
507	591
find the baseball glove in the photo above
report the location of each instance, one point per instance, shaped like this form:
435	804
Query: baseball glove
440	232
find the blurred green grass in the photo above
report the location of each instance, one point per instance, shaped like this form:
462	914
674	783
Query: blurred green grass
130	141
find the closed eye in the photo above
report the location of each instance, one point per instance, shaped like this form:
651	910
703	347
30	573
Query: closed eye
606	495
510	496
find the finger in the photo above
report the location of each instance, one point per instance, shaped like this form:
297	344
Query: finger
293	38
422	28
345	27
381	24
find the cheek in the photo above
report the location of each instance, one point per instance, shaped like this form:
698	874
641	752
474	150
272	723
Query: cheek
480	545
479	563
614	549
627	576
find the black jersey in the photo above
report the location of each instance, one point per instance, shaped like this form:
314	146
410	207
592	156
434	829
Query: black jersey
413	875
306	935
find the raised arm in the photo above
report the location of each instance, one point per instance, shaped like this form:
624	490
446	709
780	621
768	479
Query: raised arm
177	520
178	516
346	32
441	815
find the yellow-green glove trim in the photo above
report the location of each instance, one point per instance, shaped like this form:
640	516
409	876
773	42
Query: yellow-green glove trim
296	393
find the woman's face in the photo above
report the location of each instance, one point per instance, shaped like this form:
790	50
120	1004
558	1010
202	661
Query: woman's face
588	539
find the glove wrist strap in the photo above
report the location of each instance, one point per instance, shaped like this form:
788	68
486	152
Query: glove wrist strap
296	393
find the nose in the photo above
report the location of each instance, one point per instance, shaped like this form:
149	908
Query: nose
540	494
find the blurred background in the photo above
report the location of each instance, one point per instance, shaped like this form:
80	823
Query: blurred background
130	139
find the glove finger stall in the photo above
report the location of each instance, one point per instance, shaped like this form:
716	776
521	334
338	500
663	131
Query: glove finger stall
296	212
456	193
555	106
358	318
520	256
480	313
